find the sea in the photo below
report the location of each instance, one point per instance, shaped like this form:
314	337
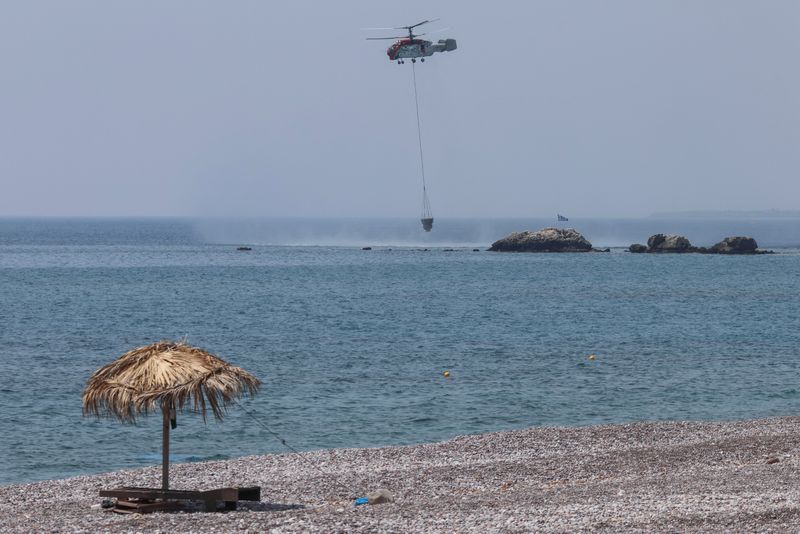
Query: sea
351	324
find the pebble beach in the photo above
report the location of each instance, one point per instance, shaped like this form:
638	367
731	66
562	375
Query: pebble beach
720	476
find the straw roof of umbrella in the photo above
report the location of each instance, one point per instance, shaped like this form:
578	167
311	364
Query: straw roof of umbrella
165	374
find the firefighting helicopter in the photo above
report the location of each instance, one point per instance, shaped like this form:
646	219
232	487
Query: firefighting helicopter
411	47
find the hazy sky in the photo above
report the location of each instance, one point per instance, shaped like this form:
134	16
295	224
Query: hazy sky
258	108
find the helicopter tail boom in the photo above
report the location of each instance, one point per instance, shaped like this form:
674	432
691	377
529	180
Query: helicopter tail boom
444	45
449	44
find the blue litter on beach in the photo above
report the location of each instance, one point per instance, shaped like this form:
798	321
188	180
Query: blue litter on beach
361	500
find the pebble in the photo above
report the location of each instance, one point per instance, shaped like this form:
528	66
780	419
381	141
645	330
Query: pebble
637	477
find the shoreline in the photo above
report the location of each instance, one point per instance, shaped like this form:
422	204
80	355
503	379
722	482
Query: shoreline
719	476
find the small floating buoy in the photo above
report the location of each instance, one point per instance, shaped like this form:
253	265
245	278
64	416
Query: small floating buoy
446	374
592	357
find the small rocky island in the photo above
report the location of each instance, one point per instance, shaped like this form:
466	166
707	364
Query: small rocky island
678	244
545	240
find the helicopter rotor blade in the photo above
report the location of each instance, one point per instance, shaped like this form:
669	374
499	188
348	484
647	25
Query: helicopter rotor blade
415	25
383	38
378	29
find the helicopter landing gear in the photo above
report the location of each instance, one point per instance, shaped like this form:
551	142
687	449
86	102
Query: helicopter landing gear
422	59
413	60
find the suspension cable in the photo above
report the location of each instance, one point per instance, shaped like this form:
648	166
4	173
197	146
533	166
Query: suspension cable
425	203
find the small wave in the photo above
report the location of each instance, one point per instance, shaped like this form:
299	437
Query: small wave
784	394
422	420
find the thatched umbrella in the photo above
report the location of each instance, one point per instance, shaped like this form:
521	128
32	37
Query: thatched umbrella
170	376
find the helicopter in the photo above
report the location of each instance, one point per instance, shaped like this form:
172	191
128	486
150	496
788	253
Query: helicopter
412	48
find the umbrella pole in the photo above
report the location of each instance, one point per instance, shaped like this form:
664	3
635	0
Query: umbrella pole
165	449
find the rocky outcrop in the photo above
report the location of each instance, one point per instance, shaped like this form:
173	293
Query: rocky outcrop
668	243
545	240
671	243
736	245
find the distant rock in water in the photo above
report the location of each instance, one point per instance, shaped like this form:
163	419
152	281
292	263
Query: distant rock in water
736	245
545	240
668	243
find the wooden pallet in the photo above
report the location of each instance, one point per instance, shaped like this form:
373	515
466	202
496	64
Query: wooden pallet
145	500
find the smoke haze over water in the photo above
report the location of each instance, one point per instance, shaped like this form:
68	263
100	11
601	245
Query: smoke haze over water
379	232
769	232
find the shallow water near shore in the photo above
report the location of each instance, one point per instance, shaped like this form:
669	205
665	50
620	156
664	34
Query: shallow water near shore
351	344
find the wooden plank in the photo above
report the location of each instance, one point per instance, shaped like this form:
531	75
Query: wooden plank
131	504
252	493
144	507
151	493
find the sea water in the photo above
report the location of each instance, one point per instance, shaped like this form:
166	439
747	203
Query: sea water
351	345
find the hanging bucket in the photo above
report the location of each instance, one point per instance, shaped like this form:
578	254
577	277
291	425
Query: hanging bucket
427	223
